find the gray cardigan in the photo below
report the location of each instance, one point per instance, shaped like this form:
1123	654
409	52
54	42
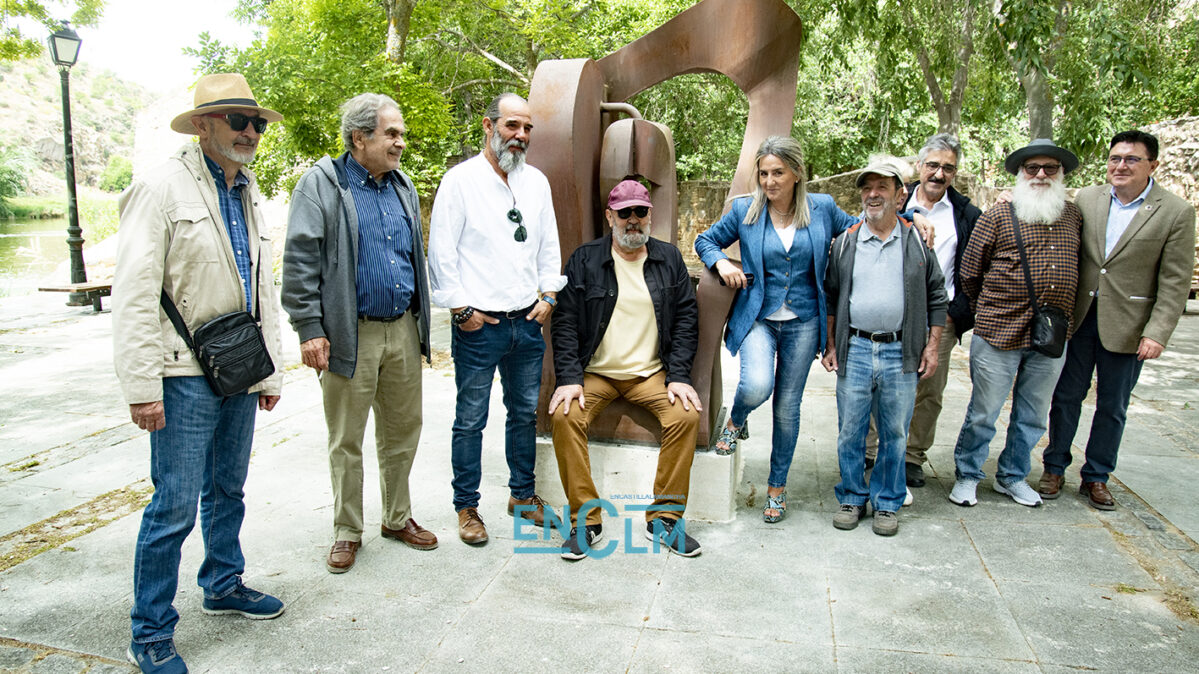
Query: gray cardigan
924	296
320	262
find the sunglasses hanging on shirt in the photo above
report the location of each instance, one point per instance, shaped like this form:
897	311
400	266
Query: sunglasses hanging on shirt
520	234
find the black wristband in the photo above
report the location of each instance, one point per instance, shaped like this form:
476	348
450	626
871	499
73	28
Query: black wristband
462	316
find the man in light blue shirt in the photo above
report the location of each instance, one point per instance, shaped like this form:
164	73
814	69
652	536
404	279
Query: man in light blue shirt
1137	255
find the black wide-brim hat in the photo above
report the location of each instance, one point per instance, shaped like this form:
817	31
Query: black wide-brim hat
218	93
1041	147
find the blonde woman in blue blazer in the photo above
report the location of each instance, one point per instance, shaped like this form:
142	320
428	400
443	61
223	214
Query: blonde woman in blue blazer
778	318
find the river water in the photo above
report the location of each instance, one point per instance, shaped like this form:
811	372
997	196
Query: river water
30	251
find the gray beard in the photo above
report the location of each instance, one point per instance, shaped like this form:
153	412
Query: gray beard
632	241
1038	206
508	161
232	154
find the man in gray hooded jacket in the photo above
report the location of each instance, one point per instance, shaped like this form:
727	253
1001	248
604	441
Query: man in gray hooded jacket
355	287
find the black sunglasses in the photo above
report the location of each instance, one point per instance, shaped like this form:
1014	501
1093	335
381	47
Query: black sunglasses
1031	170
624	213
520	235
238	121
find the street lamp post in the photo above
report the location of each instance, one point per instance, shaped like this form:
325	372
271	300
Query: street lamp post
64	50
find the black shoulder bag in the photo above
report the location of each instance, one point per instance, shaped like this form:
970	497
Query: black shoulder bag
1049	324
229	348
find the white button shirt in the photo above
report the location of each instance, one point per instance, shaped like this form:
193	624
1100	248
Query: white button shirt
474	258
945	239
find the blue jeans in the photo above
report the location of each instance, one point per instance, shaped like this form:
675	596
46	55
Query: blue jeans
1117	375
873	378
992	372
776	357
514	346
199	458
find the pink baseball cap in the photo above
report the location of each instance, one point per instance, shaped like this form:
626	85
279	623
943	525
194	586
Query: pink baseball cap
628	193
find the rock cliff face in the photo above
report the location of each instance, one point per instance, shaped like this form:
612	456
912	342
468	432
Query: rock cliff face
103	110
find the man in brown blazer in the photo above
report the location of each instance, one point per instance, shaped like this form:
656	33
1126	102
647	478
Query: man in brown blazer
1134	274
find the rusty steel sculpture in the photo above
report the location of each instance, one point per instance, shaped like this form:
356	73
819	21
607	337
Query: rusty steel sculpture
584	147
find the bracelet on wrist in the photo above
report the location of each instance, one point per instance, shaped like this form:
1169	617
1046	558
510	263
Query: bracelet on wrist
549	300
462	316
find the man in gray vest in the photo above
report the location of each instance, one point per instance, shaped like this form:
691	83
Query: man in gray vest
889	298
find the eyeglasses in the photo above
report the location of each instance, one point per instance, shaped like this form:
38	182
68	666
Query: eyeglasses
1130	160
1031	170
934	166
238	121
624	213
520	234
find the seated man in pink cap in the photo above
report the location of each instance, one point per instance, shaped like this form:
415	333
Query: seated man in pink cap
626	326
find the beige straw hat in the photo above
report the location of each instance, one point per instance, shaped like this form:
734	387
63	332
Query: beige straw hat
219	92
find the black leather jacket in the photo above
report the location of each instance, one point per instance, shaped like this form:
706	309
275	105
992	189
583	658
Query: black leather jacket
585	306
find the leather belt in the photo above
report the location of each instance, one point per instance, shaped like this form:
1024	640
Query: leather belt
518	313
880	337
380	319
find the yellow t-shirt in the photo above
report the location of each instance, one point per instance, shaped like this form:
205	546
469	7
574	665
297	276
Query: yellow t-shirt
630	345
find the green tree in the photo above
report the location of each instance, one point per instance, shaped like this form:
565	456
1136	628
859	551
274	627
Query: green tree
15	44
313	55
14	166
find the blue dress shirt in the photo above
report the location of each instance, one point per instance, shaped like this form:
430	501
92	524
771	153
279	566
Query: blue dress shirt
234	215
385	276
1120	215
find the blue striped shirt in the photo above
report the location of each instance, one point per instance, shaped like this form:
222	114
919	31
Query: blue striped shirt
233	213
385	276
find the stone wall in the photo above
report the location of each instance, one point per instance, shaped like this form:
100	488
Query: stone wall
1179	156
1178	171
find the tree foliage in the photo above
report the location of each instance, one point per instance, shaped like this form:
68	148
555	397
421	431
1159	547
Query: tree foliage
875	75
16	44
13	169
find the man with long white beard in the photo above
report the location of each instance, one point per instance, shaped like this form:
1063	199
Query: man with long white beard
627	328
993	277
494	262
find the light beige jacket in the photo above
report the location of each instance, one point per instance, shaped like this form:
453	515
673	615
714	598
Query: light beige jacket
172	238
1142	286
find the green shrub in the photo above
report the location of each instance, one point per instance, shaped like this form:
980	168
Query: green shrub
117	175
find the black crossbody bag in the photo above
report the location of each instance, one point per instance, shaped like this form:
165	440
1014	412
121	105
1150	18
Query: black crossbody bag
1049	324
229	348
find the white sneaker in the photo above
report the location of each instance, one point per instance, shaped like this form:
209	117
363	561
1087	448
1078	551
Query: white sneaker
964	492
1020	492
907	498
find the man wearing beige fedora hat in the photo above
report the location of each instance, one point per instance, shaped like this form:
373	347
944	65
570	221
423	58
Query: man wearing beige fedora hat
190	236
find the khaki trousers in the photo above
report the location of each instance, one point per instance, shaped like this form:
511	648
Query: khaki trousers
386	379
929	396
679	428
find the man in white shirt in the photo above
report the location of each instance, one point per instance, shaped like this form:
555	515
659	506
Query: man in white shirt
494	262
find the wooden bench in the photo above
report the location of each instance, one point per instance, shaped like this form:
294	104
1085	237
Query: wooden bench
94	291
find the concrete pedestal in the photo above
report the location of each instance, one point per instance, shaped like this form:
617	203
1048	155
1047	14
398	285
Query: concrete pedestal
624	475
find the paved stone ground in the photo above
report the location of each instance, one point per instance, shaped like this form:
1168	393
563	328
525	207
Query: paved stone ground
995	588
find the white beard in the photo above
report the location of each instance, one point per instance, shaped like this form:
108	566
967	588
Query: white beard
1039	206
508	161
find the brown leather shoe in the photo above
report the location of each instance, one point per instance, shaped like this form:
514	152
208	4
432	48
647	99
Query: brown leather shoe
536	516
342	556
1098	495
470	527
1050	485
412	534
